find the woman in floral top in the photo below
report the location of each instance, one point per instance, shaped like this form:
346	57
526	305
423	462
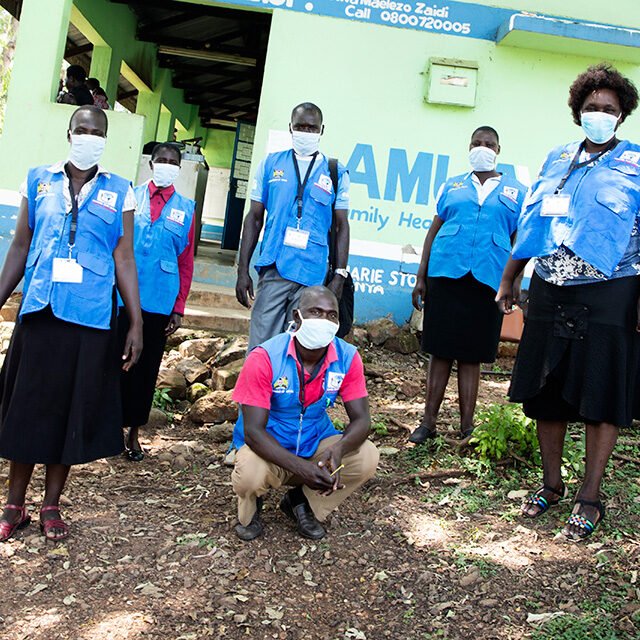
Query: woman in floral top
580	351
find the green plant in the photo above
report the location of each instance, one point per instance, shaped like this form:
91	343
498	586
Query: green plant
505	431
379	428
338	424
161	399
571	627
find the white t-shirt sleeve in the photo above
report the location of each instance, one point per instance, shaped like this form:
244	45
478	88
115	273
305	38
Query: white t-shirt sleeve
342	197
24	189
130	202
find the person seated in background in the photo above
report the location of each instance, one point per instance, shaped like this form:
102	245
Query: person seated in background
284	434
76	84
100	99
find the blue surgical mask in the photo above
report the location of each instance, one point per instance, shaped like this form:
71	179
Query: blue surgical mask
482	159
598	126
305	143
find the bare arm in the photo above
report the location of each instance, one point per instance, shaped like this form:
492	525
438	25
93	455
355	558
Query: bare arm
250	234
342	250
269	449
127	281
14	264
506	296
420	290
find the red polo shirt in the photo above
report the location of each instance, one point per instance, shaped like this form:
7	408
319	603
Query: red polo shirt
158	197
254	386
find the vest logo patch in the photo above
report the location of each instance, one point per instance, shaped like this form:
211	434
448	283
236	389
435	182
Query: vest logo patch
43	188
278	173
630	157
177	216
281	384
511	193
324	182
565	155
334	381
457	185
107	199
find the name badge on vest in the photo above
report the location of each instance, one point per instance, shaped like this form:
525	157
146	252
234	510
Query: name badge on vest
555	205
177	216
66	270
297	238
107	199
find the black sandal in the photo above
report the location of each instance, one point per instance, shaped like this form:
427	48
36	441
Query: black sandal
541	502
586	526
134	455
422	434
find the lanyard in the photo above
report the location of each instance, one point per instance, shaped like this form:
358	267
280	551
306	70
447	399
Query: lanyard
301	377
302	185
578	165
73	227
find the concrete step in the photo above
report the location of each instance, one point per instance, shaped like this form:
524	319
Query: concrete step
217	318
213	295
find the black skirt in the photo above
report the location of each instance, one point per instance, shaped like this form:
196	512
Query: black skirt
579	355
138	384
461	320
60	392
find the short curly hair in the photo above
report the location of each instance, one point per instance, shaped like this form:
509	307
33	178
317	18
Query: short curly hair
602	76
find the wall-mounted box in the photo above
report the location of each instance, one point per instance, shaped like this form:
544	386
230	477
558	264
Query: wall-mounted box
451	81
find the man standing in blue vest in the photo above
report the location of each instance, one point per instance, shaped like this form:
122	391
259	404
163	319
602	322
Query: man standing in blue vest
296	190
284	435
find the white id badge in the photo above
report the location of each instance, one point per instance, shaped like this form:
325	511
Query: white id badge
555	205
66	270
297	238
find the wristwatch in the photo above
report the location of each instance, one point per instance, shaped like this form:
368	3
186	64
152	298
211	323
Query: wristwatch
341	272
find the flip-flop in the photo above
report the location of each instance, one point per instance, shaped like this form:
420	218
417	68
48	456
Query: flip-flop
585	526
541	502
7	529
47	525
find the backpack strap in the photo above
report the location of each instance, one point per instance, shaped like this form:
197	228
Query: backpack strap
333	173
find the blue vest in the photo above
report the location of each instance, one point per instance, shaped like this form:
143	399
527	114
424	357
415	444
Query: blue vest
602	209
299	435
99	229
475	238
157	246
304	266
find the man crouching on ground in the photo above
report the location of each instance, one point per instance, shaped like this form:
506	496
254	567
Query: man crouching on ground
284	435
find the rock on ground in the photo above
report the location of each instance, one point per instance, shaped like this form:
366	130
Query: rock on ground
225	379
403	342
196	391
202	348
236	350
193	369
214	407
157	418
410	388
173	381
381	330
221	432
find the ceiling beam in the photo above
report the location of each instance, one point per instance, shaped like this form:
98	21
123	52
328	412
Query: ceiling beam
213	56
72	49
147	30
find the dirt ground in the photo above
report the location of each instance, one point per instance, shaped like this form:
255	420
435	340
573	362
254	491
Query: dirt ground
442	555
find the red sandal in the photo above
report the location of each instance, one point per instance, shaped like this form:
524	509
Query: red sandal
7	529
47	525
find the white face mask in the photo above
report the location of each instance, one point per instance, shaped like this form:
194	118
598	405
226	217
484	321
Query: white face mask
86	151
305	143
482	159
598	126
165	174
316	333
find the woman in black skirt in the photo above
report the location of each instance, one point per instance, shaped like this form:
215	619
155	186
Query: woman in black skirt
59	386
464	254
163	246
580	351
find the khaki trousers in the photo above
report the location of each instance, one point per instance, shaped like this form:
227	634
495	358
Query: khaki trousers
252	477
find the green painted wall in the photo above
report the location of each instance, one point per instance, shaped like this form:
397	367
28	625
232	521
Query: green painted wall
219	149
374	95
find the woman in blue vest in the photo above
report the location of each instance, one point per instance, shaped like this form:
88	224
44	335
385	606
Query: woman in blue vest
59	385
464	254
163	246
580	350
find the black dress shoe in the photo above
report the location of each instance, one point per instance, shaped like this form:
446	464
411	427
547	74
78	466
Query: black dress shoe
422	434
254	528
302	515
